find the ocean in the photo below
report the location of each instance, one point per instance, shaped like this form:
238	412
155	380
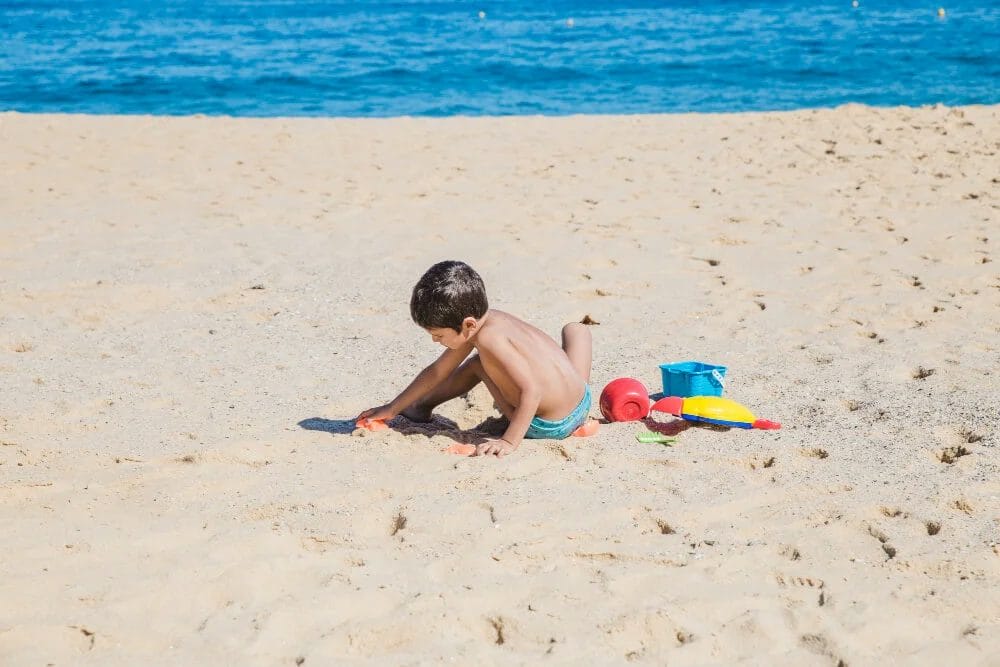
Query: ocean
500	57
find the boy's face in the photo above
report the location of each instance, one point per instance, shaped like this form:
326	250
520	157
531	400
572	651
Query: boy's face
452	339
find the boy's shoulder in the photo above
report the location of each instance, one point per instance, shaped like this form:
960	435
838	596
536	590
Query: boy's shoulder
499	327
501	319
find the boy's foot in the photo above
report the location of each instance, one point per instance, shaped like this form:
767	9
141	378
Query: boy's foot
417	413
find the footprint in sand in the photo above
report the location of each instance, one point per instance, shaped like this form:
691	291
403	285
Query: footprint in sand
892	512
398	523
652	523
951	454
805	584
962	505
790	552
883	539
874	336
559	449
760	461
492	511
969	435
785	580
498	626
820	645
815	452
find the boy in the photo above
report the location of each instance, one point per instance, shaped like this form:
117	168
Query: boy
541	388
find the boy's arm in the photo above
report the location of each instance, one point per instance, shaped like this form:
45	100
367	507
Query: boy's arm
429	378
519	371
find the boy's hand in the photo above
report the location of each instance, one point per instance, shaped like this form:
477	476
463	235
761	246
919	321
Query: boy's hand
495	447
381	413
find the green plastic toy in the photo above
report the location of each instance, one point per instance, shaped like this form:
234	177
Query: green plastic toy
651	437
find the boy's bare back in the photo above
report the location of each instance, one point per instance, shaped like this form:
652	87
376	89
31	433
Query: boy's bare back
516	354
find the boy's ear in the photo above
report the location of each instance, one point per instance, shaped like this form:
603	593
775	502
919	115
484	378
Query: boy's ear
469	324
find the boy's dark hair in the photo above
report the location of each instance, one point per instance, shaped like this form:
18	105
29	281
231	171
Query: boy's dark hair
446	294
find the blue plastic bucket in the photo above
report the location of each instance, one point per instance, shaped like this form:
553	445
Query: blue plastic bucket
693	378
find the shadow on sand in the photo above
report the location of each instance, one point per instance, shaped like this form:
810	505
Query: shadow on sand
331	426
437	426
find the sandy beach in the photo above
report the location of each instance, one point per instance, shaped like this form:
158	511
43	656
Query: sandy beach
193	309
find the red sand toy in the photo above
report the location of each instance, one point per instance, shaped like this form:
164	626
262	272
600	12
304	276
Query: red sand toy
624	400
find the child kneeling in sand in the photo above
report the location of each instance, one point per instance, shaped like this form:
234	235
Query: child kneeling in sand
541	388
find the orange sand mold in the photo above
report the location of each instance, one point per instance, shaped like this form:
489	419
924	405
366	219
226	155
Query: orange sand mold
372	424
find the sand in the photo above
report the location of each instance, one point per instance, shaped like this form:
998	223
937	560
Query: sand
192	310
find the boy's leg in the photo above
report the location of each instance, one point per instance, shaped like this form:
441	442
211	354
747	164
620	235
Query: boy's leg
461	381
499	402
577	343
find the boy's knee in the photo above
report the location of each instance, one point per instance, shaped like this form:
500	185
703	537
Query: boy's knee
575	329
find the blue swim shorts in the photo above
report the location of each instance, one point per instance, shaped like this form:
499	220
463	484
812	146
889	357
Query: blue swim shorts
557	430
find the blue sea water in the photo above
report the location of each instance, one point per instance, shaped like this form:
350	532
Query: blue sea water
422	57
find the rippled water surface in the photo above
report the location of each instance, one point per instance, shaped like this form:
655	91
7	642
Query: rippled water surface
272	57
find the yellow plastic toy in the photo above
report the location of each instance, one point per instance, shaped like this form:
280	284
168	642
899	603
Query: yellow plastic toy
713	410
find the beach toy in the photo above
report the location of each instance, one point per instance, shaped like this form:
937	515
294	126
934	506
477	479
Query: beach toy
693	378
587	429
624	400
713	410
460	448
659	438
371	424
